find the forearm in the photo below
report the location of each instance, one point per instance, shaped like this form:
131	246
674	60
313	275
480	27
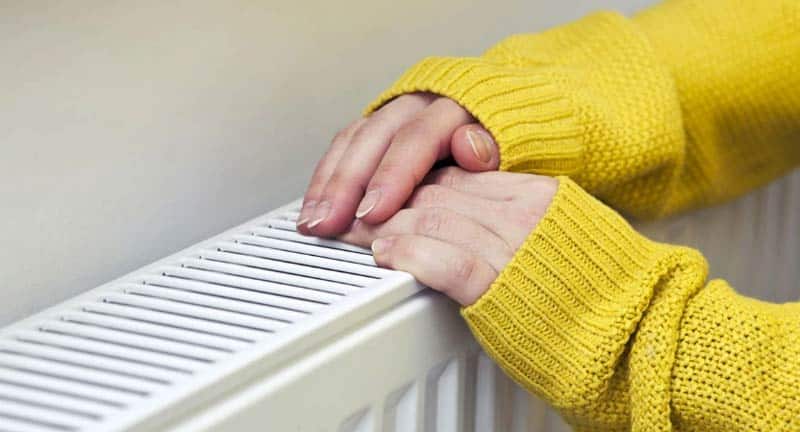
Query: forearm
737	363
736	69
619	333
687	104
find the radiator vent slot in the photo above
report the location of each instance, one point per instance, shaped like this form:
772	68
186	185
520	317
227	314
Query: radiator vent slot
156	337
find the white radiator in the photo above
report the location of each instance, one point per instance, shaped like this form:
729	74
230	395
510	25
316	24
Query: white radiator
261	328
753	242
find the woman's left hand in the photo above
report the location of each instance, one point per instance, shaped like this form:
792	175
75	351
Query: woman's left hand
459	229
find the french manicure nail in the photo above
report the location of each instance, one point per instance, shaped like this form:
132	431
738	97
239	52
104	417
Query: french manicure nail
481	145
368	203
305	213
380	245
320	213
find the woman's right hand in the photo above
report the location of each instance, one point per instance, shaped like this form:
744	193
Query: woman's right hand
373	165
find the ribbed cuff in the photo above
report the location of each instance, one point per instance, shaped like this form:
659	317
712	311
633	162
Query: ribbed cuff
559	315
526	109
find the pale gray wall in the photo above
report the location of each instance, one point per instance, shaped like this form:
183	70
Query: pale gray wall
130	130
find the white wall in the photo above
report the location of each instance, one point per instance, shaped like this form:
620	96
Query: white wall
132	129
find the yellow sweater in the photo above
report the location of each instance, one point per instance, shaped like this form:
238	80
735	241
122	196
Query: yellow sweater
688	103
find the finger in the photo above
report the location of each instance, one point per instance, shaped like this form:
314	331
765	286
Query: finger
324	170
345	185
461	275
493	215
474	149
441	224
491	185
412	153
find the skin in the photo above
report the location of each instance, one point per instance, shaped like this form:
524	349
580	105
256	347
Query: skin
459	229
389	153
454	229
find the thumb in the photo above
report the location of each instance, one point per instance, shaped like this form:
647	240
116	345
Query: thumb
474	149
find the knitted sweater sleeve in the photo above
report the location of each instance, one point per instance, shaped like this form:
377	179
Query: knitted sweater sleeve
621	333
689	103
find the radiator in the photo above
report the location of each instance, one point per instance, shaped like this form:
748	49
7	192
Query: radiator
261	328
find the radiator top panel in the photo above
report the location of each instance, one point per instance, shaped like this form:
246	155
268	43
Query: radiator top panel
186	327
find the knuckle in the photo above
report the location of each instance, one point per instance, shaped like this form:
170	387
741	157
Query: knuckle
414	128
368	131
357	123
526	216
430	222
403	98
447	176
392	172
321	172
449	103
339	182
392	104
317	184
401	250
429	195
313	193
548	185
531	181
535	214
464	268
362	133
451	171
522	220
415	98
540	183
340	136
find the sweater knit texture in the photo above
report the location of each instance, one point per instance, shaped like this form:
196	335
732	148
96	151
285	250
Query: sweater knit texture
688	103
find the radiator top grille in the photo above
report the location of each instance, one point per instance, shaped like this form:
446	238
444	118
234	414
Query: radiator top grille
159	336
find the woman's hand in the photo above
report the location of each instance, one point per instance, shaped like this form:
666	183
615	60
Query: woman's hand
373	165
459	229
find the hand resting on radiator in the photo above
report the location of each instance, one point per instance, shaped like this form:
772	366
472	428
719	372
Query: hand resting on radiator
459	229
374	164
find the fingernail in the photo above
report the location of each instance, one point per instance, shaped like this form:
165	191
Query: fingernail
368	203
381	245
305	213
320	213
481	145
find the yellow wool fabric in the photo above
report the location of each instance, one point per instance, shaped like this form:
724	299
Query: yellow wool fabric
621	333
688	103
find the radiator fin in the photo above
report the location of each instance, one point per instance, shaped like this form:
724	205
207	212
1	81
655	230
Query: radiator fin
137	342
401	410
445	393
